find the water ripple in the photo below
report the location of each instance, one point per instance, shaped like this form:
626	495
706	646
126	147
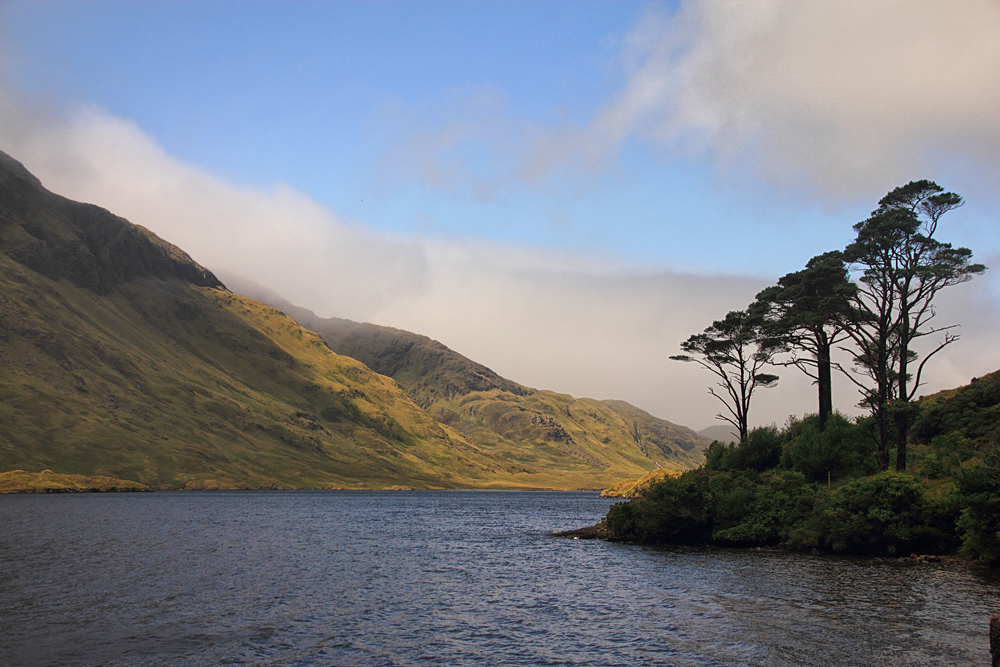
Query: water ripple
442	578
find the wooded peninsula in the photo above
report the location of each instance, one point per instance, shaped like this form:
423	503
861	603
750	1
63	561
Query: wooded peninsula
824	482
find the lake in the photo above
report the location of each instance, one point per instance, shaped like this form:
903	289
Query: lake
443	578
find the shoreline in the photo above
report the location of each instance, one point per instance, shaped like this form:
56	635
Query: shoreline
599	531
46	481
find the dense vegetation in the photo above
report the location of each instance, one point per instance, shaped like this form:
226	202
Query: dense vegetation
807	488
824	482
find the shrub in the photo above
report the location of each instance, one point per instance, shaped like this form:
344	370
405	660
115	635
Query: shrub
886	513
761	451
675	511
758	510
717	455
979	524
734	508
843	449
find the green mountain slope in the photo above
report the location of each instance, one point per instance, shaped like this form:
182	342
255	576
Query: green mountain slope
536	428
120	356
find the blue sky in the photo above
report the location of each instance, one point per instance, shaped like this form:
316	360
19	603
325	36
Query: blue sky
321	95
524	148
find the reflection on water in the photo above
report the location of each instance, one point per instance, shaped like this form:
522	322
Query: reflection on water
449	578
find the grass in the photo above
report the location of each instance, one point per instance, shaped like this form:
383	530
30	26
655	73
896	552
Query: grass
46	481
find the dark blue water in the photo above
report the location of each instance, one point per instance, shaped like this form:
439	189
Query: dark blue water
442	578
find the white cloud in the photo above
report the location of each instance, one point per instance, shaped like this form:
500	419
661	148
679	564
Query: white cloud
280	237
846	98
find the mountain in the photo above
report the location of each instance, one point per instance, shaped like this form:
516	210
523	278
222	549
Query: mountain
521	424
720	432
120	356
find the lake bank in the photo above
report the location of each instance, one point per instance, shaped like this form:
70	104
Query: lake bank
46	481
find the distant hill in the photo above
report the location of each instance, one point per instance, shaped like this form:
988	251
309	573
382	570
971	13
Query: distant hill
122	357
531	426
720	432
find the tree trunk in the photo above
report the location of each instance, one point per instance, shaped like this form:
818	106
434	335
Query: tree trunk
824	379
901	418
902	422
883	397
884	423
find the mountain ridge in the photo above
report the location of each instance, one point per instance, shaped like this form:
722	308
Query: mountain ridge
485	406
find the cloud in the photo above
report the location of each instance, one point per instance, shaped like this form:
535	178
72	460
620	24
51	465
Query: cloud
849	95
279	237
841	99
566	324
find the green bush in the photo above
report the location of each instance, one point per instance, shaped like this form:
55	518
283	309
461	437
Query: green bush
979	524
761	451
771	489
886	513
717	455
732	508
757	510
843	449
675	511
934	467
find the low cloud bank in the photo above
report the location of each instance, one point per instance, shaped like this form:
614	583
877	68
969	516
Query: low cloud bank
279	237
561	322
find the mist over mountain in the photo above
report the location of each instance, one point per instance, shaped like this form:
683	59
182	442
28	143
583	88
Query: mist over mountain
123	357
720	432
492	410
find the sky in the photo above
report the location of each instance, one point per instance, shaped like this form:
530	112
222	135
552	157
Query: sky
563	191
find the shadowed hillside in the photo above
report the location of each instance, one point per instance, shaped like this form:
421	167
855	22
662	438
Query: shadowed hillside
971	412
530	426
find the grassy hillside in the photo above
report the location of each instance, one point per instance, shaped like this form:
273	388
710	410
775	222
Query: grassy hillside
534	429
971	411
175	385
122	357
